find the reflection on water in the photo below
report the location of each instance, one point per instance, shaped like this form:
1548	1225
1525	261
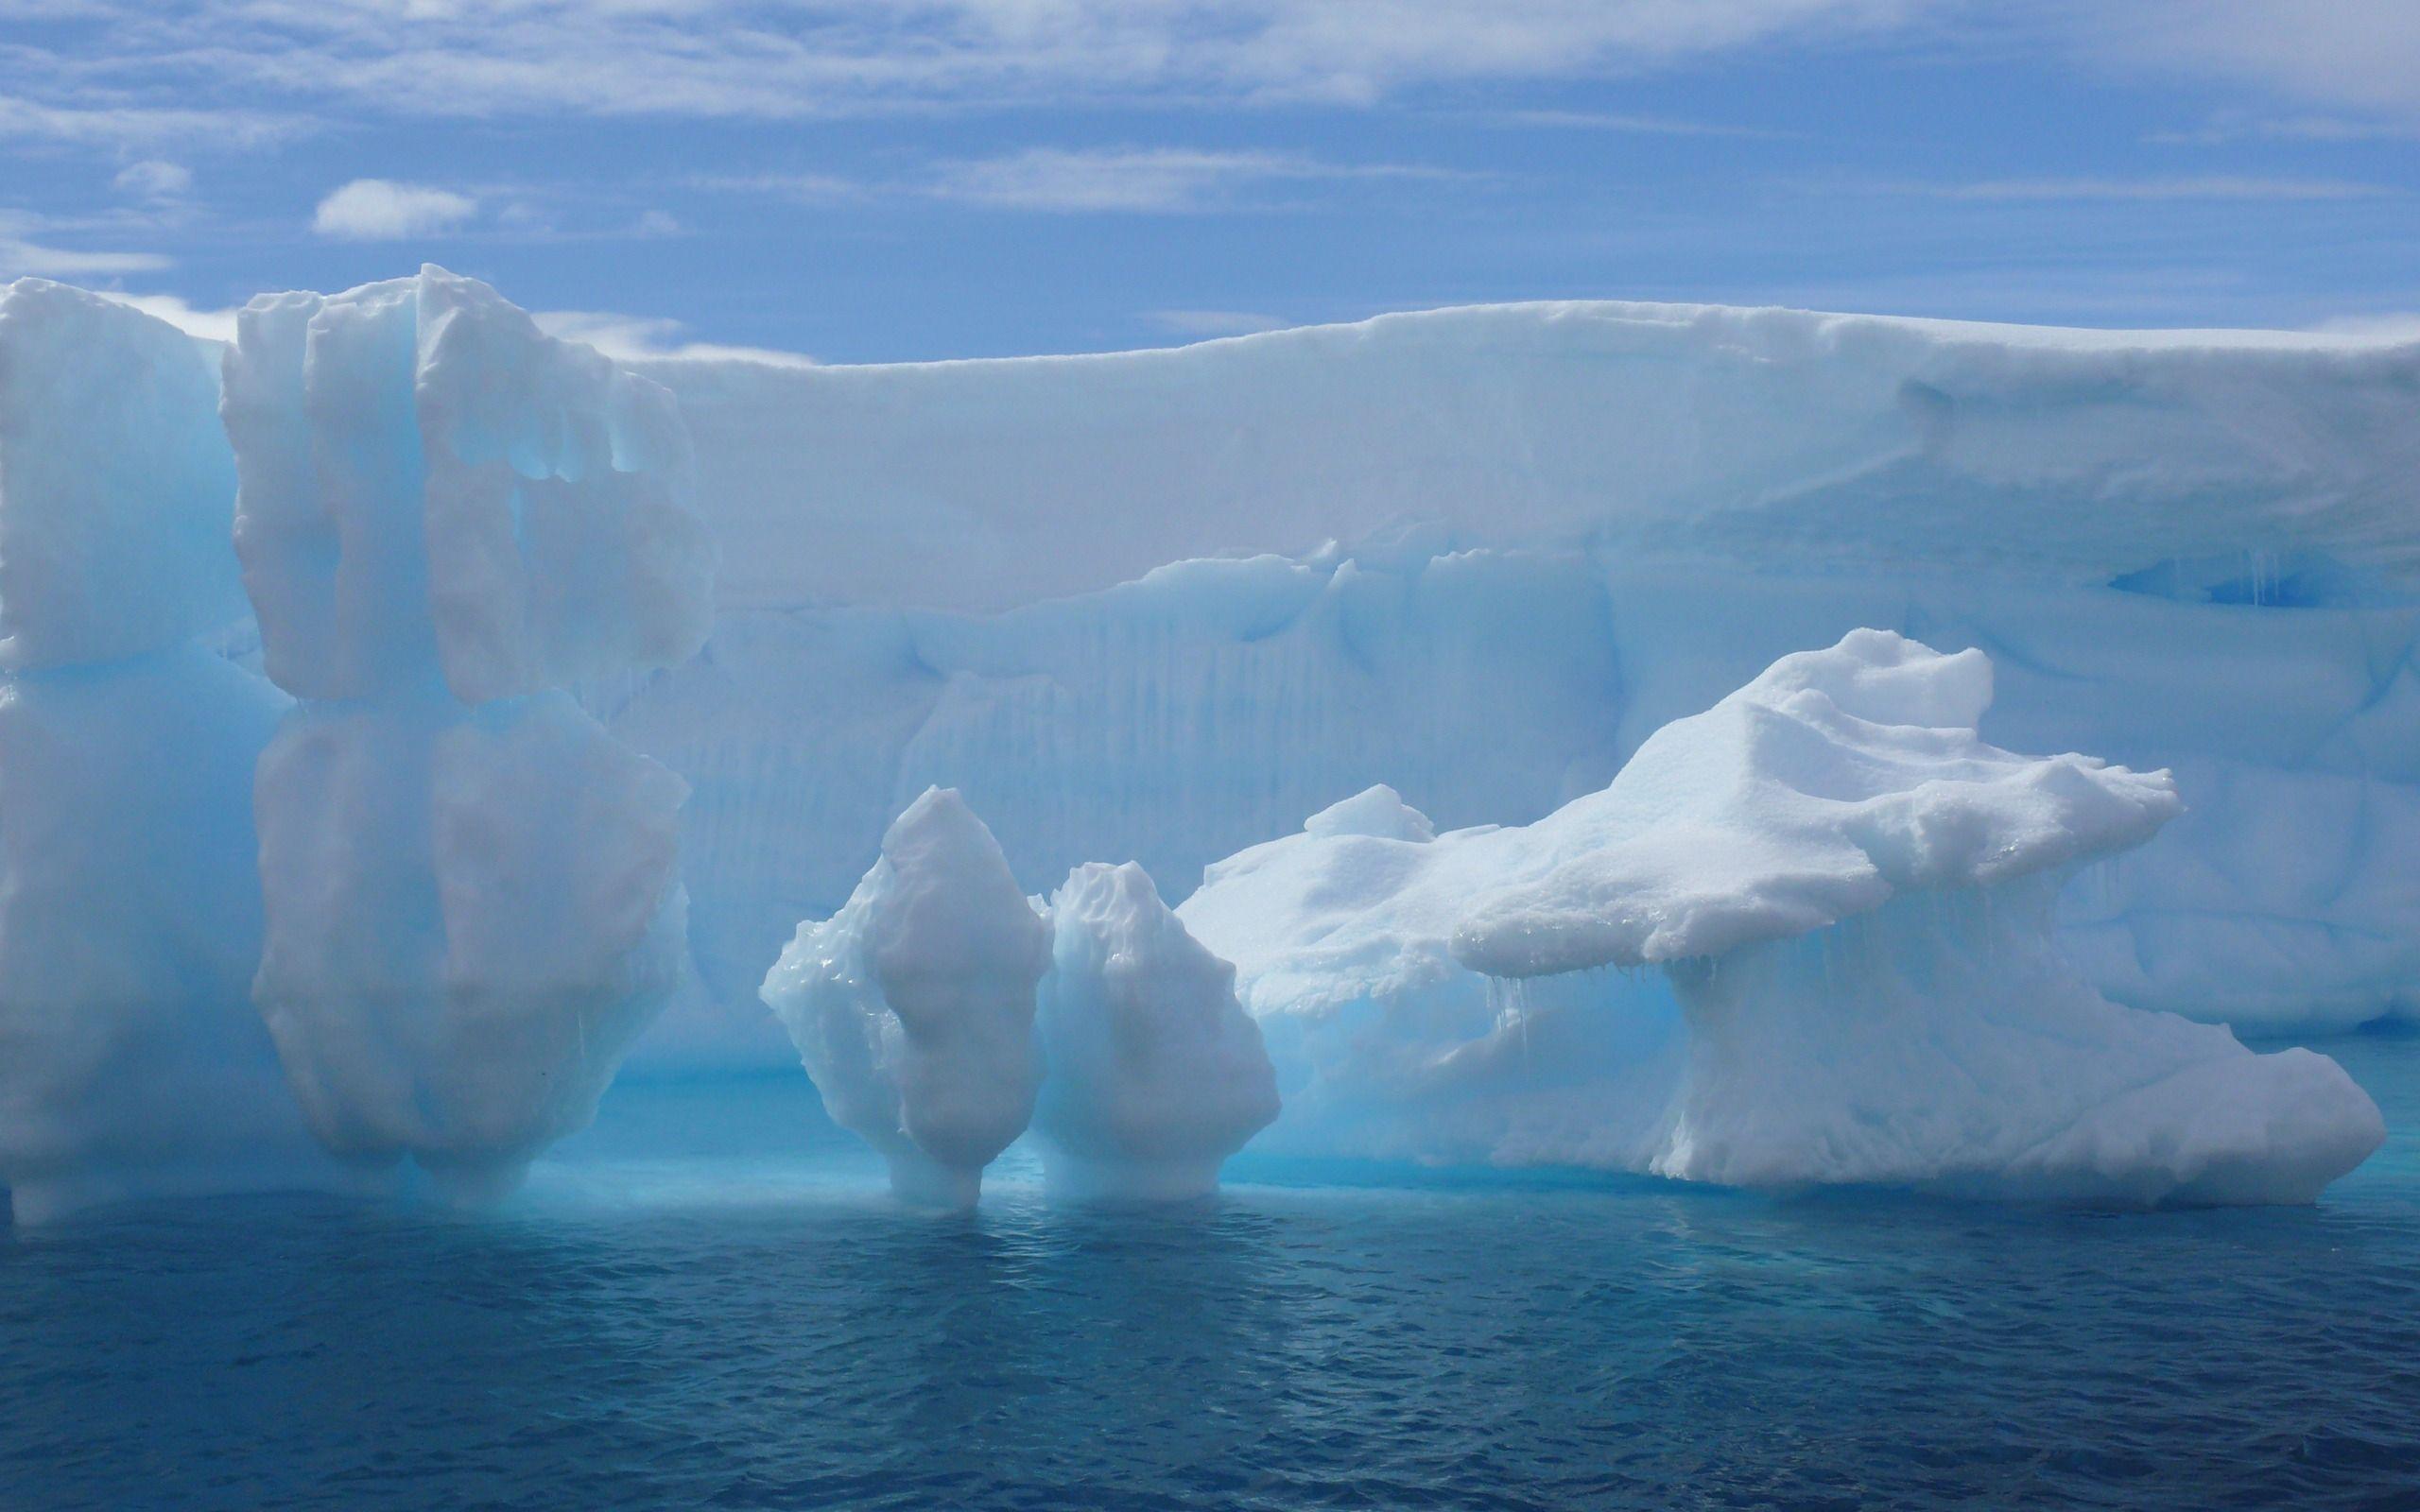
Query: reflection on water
707	1303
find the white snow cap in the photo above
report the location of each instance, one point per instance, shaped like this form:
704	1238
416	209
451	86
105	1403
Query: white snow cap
1835	781
1378	810
428	477
1156	1073
117	485
912	1007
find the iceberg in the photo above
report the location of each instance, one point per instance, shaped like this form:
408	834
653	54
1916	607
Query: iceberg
471	891
131	1063
580	673
1156	1074
912	1007
1849	899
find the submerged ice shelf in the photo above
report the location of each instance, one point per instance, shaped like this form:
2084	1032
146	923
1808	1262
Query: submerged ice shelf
459	847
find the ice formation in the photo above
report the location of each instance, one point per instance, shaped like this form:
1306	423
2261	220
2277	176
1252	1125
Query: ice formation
913	1007
1156	604
430	484
114	483
1851	895
471	890
1155	1073
1505	545
130	1061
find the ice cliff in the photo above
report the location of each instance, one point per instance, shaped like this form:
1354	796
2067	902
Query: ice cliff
1499	547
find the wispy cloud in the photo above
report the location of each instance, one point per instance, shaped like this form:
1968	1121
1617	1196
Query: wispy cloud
2349	54
1628	125
1215	322
153	179
19	257
1148	180
639	337
796	59
1155	180
2213	187
2226	131
214	324
381	210
28	246
99	123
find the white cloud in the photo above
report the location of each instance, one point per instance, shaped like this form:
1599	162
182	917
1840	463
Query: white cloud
2205	187
124	127
19	258
217	325
381	210
803	58
1153	180
642	338
153	179
1626	124
1215	322
2363	54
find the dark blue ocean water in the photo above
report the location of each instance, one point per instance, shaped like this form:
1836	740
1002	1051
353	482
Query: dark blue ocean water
705	1304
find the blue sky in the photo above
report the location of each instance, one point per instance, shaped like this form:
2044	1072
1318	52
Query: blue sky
871	179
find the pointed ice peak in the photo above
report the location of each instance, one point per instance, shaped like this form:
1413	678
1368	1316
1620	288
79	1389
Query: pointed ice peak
1378	811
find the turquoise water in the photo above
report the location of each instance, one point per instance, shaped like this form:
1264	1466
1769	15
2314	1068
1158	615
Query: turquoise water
706	1302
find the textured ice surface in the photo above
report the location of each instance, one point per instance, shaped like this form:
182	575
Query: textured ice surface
1853	897
473	890
471	913
131	1062
1508	545
1155	1074
425	474
1832	784
913	1007
1497	550
115	483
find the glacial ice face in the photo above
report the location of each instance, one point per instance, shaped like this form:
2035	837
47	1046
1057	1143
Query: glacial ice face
1505	545
115	483
913	1007
1155	1073
1851	896
130	1061
425	475
470	913
472	889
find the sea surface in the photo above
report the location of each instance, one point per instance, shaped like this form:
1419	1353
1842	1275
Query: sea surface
707	1303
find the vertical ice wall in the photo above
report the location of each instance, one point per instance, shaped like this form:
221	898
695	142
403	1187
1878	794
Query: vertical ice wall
471	891
130	1061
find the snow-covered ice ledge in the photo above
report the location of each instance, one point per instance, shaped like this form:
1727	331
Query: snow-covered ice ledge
1849	897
